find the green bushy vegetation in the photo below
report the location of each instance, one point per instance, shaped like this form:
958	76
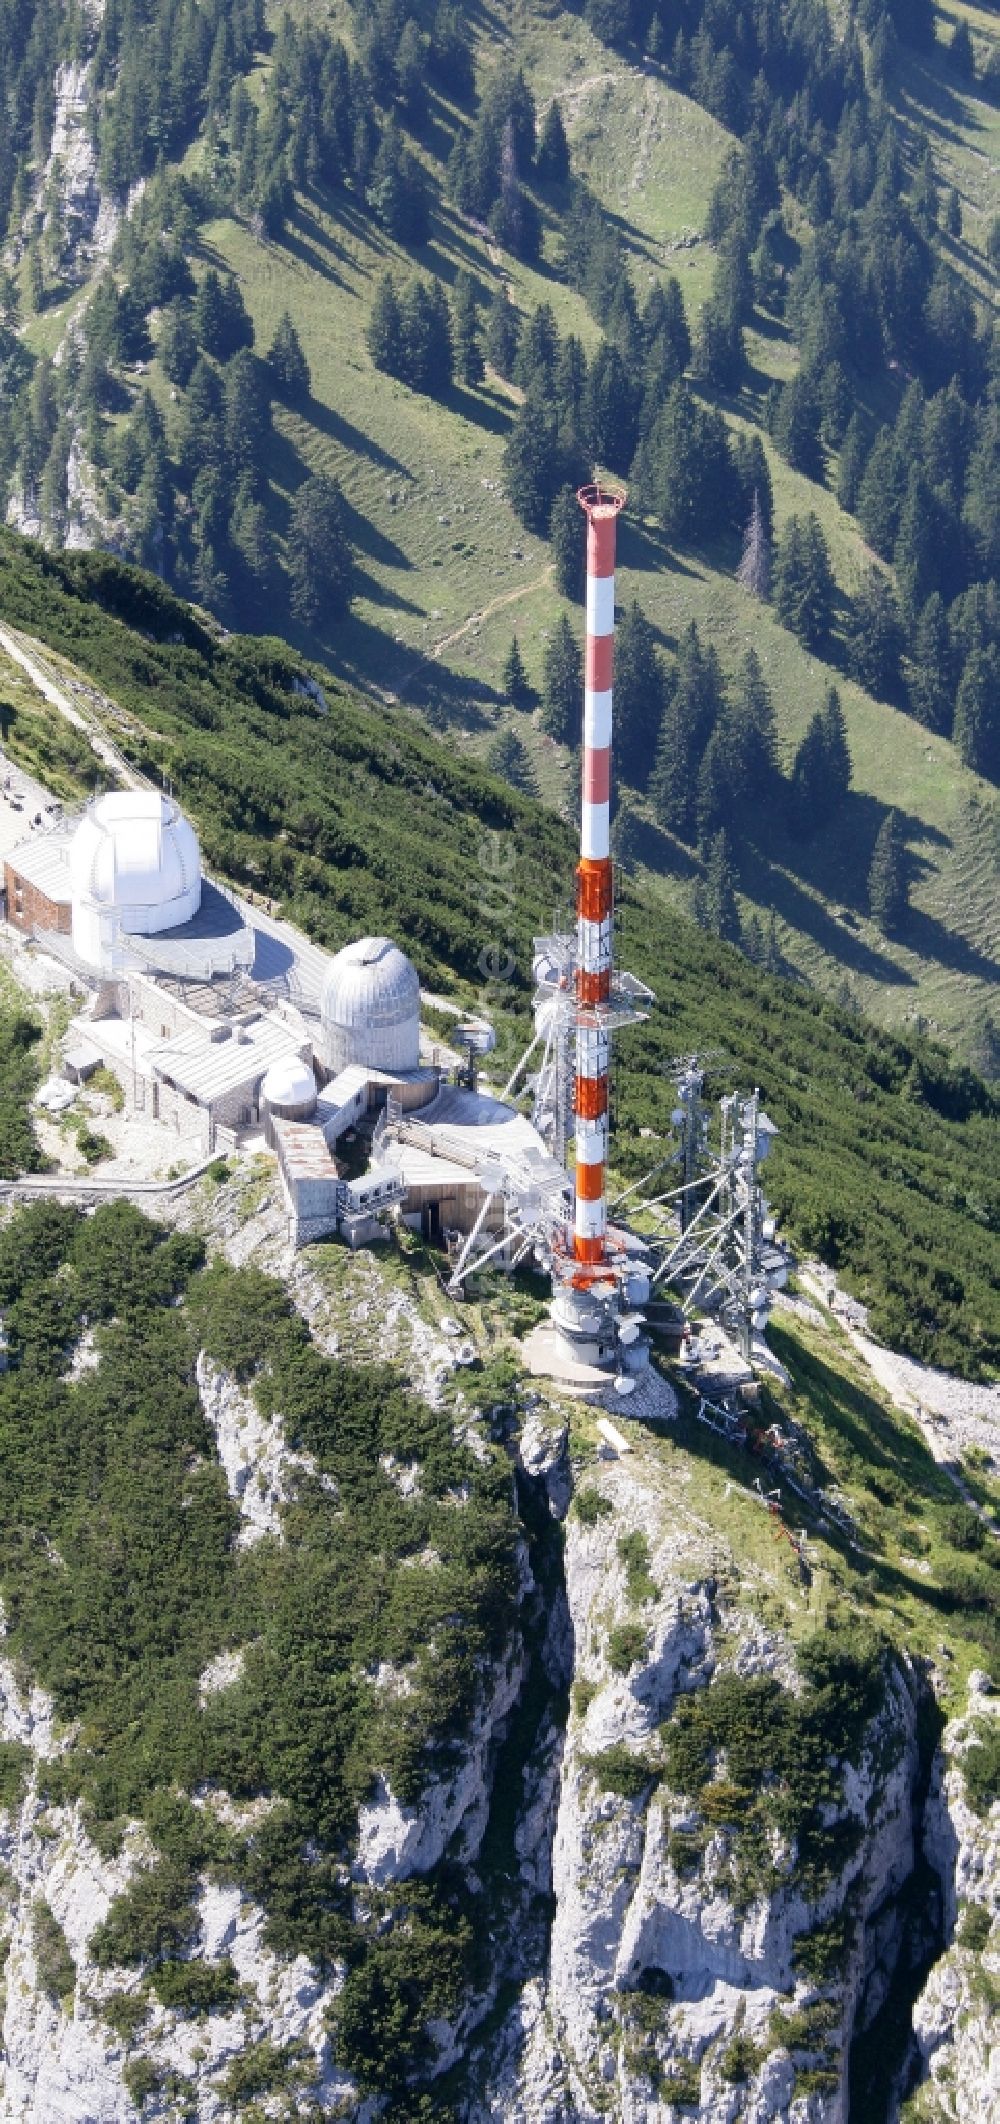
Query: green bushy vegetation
19	1075
590	1506
54	1964
783	1755
120	1472
627	1645
617	1769
981	1767
633	1549
15	1766
887	1163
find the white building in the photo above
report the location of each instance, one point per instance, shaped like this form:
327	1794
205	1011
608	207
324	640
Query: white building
135	870
370	1009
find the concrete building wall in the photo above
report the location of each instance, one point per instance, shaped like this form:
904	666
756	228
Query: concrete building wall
29	908
155	1007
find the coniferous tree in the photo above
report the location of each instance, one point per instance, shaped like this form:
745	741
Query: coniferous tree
754	571
626	834
385	329
508	758
983	1046
851	464
977	712
288	365
717	899
875	637
178	348
465	311
532	463
503	334
887	881
247	416
562	686
514	679
638	695
821	772
552	156
795	426
809	796
753	711
882	492
395	190
929	673
569	546
320	560
802	581
838	751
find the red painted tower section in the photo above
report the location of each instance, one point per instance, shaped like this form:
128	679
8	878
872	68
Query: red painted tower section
595	883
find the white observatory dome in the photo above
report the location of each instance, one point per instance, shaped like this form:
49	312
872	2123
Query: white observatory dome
370	1008
135	870
289	1089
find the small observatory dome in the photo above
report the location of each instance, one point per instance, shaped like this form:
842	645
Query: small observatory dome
135	870
289	1089
370	1008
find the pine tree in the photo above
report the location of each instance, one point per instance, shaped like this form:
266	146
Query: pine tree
178	348
758	743
532	464
638	695
882	492
247	413
288	365
977	711
562	686
626	834
508	758
569	546
795	426
320	561
717	899
210	314
887	882
552	157
514	679
754	571
503	334
411	70
384	335
838	752
803	581
465	309
808	795
928	679
875	637
851	465
983	1046
953	213
395	191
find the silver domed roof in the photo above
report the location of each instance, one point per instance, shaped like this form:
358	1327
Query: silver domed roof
370	1006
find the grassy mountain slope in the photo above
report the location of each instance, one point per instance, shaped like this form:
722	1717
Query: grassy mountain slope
448	574
356	819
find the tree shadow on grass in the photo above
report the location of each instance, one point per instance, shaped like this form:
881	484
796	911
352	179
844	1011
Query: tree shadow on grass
363	653
931	101
642	547
327	421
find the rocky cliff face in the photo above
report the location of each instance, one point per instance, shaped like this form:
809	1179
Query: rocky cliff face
655	1943
956	2021
663	1988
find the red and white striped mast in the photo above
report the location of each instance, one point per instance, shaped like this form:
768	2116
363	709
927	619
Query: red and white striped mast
595	884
